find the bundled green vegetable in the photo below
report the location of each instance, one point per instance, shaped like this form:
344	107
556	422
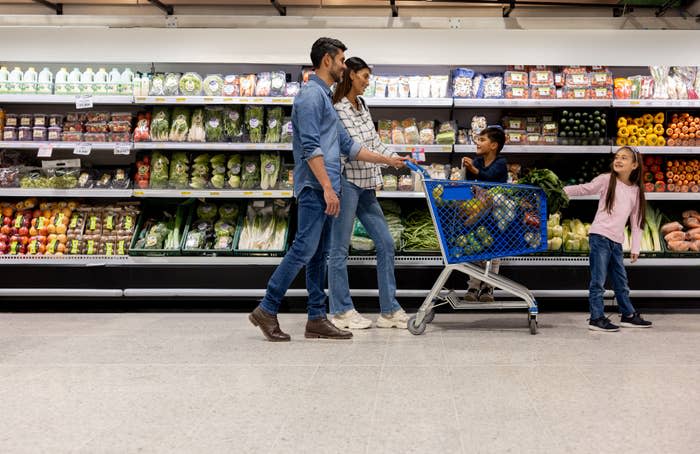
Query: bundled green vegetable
159	170
287	130
552	187
218	171
197	132
265	226
419	232
214	124
275	115
250	178
179	168
160	124
233	124
180	124
206	211
270	164
254	122
199	176
163	232
234	171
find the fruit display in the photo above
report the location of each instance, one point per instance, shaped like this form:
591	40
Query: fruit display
66	228
674	82
583	127
682	175
683	130
683	236
647	130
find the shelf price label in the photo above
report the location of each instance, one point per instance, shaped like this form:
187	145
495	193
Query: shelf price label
138	193
83	102
214	193
83	149
122	149
45	151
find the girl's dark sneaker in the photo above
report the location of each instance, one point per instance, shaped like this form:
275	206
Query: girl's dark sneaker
634	321
602	324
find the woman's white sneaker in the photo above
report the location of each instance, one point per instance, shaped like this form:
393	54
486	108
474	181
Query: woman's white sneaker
351	320
397	319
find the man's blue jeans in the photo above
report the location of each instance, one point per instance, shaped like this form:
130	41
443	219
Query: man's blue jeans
363	204
606	260
310	249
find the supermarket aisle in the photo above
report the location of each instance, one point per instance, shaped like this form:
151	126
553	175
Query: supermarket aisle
121	383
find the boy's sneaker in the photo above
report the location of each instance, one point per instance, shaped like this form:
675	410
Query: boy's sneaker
486	294
472	295
634	321
397	319
602	324
351	320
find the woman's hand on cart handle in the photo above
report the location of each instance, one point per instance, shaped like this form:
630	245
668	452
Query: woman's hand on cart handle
397	161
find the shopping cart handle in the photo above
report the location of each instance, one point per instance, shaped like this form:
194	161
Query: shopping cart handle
417	168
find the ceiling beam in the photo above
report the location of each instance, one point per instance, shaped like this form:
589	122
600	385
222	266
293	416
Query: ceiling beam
168	9
282	10
57	7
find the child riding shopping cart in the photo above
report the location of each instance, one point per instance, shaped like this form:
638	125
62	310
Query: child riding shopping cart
478	221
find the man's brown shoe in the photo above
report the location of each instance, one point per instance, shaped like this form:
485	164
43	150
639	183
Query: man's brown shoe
323	329
269	325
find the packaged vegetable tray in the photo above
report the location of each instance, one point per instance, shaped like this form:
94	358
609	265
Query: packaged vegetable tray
155	224
218	246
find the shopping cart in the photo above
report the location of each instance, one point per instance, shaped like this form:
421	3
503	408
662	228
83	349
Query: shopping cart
477	221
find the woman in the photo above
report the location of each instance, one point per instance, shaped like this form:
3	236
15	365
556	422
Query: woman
359	199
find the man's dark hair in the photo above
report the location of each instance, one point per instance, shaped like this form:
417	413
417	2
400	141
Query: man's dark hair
495	134
324	46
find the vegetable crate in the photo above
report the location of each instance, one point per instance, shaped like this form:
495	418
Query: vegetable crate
265	223
214	251
478	221
171	216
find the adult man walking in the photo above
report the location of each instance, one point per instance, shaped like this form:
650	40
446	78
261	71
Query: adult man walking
319	140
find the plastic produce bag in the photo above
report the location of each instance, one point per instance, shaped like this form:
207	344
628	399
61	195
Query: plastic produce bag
254	123
410	131
263	85
275	116
359	230
157	85
493	87
278	83
397	133
287	135
233	122
197	132
270	164
214	124
160	125
250	178
233	166
462	79
159	170
248	83
446	133
171	85
199	175
426	132
190	84
232	85
660	75
213	85
384	131
180	124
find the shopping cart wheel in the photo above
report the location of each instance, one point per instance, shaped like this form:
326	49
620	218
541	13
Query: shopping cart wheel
430	316
533	326
416	329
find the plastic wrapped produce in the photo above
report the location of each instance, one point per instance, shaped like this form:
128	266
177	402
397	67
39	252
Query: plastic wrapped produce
446	133
516	79
410	131
254	123
493	87
213	85
292	89
250	177
287	130
248	83
190	84
160	166
380	87
543	92
142	132
275	115
197	132
438	86
171	85
397	135
199	175
179	168
157	85
392	87
426	132
462	83
233	122
263	84
233	166
516	92
270	164
384	131
160	125
214	125
232	85
278	82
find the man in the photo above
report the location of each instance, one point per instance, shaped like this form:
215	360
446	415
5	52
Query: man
319	140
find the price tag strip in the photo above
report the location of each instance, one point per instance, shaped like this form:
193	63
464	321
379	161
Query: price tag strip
83	149
122	149
83	102
45	151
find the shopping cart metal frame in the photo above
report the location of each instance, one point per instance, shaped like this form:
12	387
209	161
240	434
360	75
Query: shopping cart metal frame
426	313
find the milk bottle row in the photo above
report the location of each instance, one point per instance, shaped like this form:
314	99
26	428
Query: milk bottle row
74	82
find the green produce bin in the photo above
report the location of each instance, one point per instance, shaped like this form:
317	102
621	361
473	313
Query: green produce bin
209	252
256	253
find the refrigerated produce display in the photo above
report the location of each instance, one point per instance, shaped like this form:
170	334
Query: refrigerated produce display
192	169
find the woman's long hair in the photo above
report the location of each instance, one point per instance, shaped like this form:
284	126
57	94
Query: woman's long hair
635	178
355	64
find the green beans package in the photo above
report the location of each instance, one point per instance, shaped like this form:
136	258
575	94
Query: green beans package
275	115
254	123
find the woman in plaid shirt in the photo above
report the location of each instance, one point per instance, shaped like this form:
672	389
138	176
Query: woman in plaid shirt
358	198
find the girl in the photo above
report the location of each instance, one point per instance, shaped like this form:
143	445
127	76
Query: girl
358	198
621	197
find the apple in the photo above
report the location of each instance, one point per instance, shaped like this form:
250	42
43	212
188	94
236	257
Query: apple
13	230
4	238
23	231
23	249
3	246
6	220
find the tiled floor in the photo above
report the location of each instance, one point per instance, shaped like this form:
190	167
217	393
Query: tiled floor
475	382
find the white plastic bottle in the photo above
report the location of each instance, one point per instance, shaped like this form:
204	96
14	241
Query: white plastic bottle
74	81
45	86
101	78
29	80
15	79
61	82
126	82
113	82
87	81
4	80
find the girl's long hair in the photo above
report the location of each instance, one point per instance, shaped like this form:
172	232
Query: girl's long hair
635	178
355	64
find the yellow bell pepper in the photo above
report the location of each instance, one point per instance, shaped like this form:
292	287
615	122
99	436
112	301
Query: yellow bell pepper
641	132
661	142
659	118
633	130
642	142
632	141
623	132
649	128
659	129
652	140
621	141
639	121
648	118
621	122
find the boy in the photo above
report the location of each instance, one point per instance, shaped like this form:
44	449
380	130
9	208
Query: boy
491	167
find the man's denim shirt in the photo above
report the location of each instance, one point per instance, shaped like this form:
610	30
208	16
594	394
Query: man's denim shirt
318	132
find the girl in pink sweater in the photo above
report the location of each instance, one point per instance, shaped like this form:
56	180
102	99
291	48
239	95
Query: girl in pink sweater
621	198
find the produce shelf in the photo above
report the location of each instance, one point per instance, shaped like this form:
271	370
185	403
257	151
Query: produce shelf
204	100
409	102
419	148
542	149
662	103
653	196
83	193
64	99
400	194
212	193
669	150
64	145
210	146
465	102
